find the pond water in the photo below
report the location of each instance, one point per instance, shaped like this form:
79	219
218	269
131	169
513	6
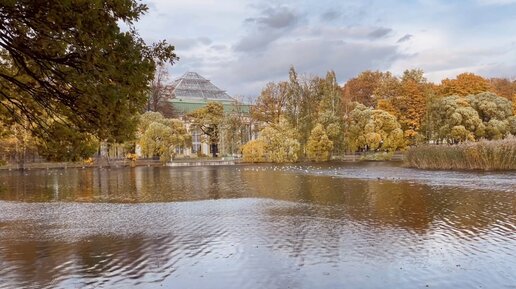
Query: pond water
365	225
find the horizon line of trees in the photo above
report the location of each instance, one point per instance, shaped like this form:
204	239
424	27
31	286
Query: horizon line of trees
315	118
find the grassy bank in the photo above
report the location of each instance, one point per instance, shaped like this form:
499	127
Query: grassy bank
482	155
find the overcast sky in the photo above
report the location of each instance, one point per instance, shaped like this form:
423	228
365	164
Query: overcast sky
241	45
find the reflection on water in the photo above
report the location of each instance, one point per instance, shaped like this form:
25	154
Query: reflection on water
352	226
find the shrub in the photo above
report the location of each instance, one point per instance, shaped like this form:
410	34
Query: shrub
254	151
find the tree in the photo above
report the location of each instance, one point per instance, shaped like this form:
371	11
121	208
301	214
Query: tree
330	113
208	119
455	120
503	87
281	143
464	84
514	104
16	144
512	125
373	129
409	107
311	94
71	62
233	129
484	115
160	136
319	146
160	93
254	151
294	99
68	144
494	111
490	106
270	104
370	86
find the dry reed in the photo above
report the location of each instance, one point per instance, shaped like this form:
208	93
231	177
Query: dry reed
482	155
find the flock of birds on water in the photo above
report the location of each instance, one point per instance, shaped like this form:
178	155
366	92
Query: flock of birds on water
314	170
303	169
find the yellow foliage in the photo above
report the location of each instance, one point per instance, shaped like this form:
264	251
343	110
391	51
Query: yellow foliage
319	146
514	104
464	84
132	157
254	151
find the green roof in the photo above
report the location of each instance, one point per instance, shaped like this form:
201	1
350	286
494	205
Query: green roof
184	106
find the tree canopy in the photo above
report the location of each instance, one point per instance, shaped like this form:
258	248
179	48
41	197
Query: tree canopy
464	84
159	136
209	119
483	115
279	143
319	146
71	62
374	129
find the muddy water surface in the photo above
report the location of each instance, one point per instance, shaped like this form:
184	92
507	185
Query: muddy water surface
369	225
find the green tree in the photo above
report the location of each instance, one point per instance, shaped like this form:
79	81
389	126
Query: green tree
483	115
160	136
511	121
455	120
319	146
147	119
67	144
494	111
490	106
71	61
208	119
373	129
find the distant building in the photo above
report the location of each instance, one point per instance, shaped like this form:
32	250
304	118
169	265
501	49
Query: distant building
191	92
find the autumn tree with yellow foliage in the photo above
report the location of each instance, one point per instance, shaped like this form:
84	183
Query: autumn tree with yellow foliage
464	84
409	106
373	129
319	146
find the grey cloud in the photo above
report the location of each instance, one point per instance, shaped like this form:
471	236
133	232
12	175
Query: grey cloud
219	47
330	15
256	42
277	18
270	26
380	32
247	74
405	38
204	40
348	33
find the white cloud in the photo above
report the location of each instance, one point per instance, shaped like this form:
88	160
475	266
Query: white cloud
242	44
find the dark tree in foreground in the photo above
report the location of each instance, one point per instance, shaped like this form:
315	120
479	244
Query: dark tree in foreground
70	62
